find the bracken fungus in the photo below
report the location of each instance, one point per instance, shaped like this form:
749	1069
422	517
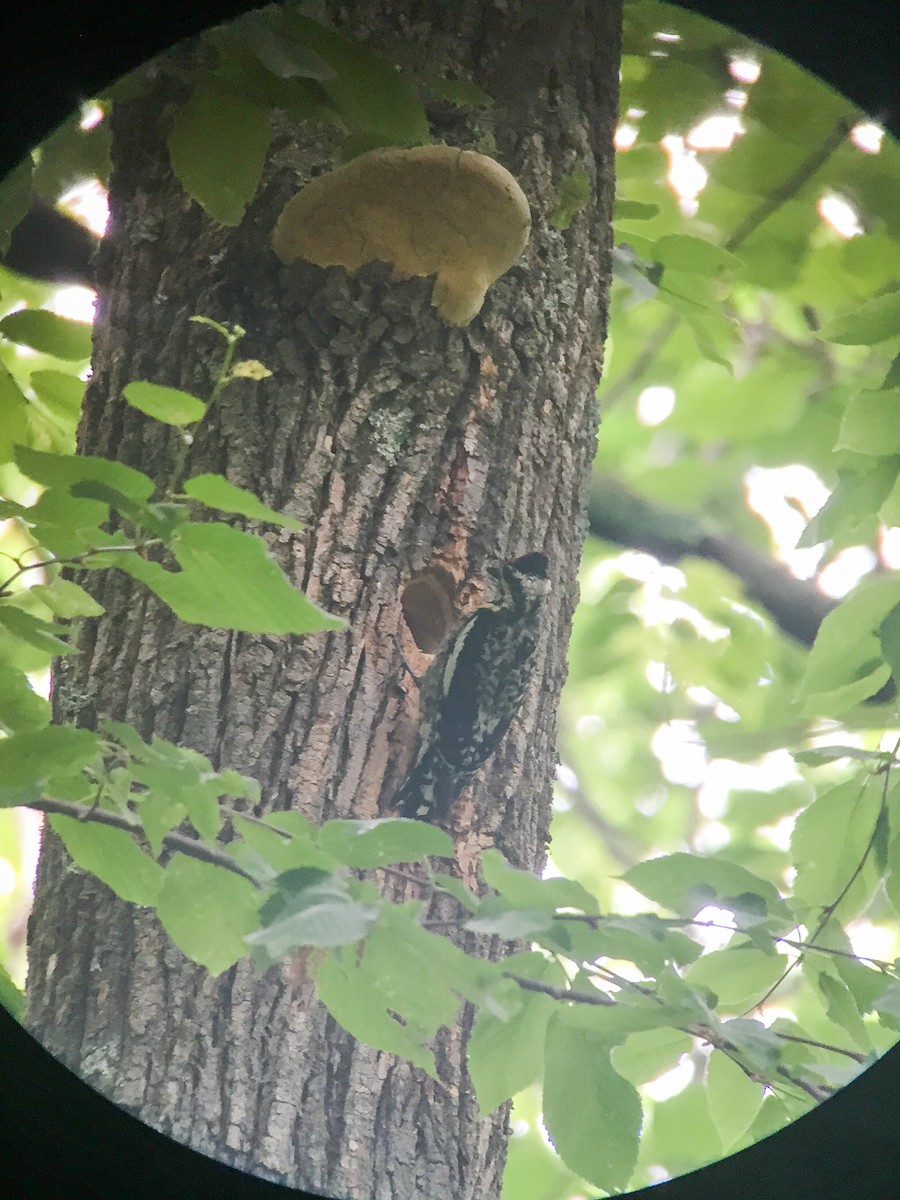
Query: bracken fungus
429	210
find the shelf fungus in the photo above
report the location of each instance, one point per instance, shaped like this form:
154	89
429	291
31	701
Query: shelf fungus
429	210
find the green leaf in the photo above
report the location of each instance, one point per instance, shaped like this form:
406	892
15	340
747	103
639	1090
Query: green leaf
634	210
846	653
279	853
113	856
889	637
20	797
344	988
277	53
683	1131
828	842
207	911
888	1002
21	709
69	156
13	414
183	781
228	581
11	997
784	85
734	1100
852	505
714	333
682	252
455	888
217	147
871	423
830	754
15	200
59	397
63	525
889	511
371	96
380	843
871	322
506	1047
322	914
642	939
127	735
169	405
758	1045
38	754
685	883
840	1006
26	627
420	974
63	470
48	333
217	492
66	599
511	925
159	815
649	1053
740	976
522	889
593	1116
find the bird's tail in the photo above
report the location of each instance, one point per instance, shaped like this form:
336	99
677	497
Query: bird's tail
429	789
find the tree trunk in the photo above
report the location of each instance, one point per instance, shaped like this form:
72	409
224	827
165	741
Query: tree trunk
402	443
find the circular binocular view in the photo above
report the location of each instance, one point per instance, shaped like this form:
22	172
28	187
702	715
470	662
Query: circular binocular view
449	595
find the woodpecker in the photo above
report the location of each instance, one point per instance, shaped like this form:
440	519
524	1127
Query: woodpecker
474	688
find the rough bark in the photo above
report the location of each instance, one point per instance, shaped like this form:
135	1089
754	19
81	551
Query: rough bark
401	443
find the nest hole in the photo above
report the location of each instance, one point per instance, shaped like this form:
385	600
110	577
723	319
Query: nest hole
429	609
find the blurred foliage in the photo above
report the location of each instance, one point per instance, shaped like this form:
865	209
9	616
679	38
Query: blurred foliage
782	340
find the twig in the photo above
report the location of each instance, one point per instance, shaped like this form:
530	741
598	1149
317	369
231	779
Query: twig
793	1037
769	204
64	562
172	841
829	910
701	1032
560	993
791	185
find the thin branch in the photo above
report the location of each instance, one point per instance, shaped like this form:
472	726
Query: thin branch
62	562
408	877
560	993
830	909
618	515
813	1090
679	922
641	363
885	967
614	839
791	185
768	205
172	841
793	1037
231	813
701	1032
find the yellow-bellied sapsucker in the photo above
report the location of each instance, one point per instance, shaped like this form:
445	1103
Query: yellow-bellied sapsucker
474	688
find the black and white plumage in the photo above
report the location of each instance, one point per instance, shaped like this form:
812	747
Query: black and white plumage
474	688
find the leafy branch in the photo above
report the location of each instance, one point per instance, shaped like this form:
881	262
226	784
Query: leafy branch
829	909
183	843
705	1033
73	560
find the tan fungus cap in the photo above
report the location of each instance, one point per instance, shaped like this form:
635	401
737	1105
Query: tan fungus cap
429	210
